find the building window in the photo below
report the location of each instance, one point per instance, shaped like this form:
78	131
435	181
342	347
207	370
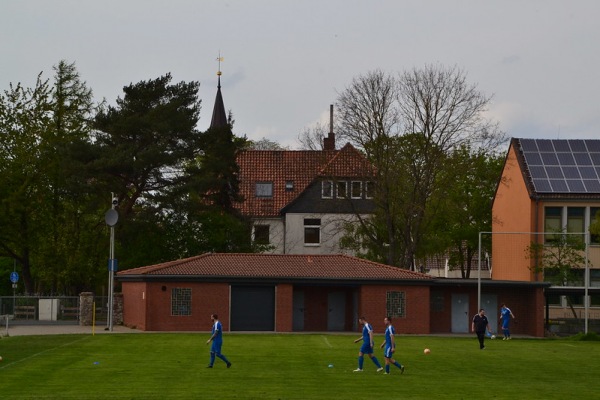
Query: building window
342	189
368	190
312	231
261	234
396	304
289	186
594	239
356	190
576	221
552	223
264	189
327	189
181	301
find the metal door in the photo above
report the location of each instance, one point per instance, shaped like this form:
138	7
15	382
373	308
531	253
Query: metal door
460	313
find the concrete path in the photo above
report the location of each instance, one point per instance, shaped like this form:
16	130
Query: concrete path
42	329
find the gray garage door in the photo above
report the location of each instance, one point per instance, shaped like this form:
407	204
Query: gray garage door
252	308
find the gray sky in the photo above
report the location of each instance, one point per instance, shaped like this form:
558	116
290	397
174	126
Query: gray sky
285	61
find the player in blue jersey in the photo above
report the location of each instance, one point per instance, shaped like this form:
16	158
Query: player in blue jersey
505	316
217	342
367	346
390	346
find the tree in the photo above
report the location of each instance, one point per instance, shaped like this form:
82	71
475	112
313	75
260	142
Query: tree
466	206
25	118
408	128
49	225
142	147
312	138
265	144
559	259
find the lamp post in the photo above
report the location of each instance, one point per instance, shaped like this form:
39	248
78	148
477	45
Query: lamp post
111	217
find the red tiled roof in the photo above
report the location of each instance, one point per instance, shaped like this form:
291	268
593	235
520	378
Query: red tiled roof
301	167
276	266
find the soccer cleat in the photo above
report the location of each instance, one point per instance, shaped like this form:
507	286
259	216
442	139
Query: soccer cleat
504	338
357	370
209	366
508	338
379	369
402	369
228	365
386	373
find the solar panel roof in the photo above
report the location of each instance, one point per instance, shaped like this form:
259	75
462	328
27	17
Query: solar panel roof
562	166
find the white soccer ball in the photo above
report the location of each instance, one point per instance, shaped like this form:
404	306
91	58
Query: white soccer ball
493	336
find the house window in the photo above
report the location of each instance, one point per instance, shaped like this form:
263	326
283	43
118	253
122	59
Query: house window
264	189
368	190
396	304
552	223
356	189
289	186
594	239
342	189
576	220
312	231
181	301
327	189
261	234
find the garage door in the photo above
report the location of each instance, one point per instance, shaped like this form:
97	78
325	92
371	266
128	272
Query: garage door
252	308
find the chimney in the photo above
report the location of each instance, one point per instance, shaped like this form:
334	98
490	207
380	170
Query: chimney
329	141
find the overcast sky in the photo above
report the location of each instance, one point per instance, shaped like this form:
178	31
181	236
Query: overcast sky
286	61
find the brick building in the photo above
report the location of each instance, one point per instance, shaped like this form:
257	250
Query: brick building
306	293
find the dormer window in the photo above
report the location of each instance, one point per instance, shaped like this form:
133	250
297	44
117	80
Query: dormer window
342	189
264	189
356	190
289	186
327	189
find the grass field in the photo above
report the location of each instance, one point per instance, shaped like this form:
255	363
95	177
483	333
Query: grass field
269	366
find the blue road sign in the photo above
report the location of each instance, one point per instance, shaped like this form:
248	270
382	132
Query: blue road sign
14	277
112	265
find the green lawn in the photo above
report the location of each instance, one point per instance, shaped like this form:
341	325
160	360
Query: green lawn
268	366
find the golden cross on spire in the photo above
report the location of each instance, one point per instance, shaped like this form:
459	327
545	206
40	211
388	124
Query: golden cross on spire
219	59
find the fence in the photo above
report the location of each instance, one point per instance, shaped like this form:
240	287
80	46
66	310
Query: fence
50	309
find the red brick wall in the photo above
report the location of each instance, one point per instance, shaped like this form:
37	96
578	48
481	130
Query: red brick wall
134	305
284	294
207	298
372	305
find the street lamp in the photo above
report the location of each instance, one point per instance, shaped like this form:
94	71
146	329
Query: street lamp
111	217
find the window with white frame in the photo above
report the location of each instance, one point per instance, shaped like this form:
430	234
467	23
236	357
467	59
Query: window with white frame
312	231
576	220
327	189
368	190
356	189
342	189
261	234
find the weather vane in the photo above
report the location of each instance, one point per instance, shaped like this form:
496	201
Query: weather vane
219	59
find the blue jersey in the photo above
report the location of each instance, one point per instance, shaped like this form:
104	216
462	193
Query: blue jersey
366	330
505	313
389	335
219	331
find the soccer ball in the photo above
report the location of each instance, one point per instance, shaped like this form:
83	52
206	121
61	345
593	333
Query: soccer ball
0	358
426	351
493	336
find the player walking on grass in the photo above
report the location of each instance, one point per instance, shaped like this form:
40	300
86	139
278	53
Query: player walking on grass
217	342
505	316
390	346
367	346
479	325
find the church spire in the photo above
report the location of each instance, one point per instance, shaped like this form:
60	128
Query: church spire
219	117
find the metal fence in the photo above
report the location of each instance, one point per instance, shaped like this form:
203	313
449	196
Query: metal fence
48	309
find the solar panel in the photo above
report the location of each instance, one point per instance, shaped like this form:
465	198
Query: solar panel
562	166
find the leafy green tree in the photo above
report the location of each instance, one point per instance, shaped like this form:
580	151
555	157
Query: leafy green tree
25	120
